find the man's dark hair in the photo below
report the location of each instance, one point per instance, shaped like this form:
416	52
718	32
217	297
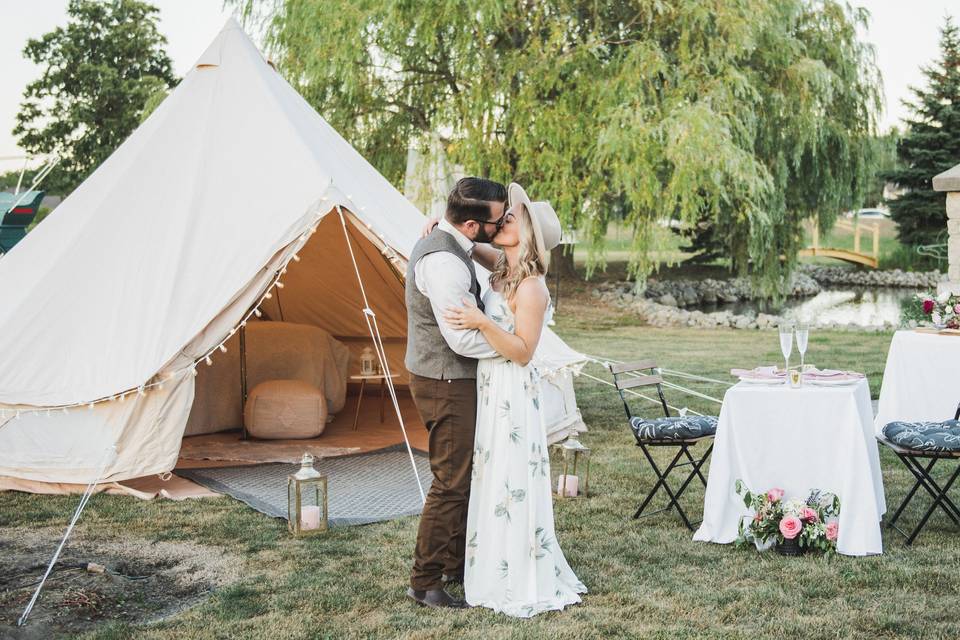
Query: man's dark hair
471	198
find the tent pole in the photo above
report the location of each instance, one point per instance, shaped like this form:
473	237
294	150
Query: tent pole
243	380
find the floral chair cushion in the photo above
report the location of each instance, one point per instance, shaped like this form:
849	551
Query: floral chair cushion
674	428
924	436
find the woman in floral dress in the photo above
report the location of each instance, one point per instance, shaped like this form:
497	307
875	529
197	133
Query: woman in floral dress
514	564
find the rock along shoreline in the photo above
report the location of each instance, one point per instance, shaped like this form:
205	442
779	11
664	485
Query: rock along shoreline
661	302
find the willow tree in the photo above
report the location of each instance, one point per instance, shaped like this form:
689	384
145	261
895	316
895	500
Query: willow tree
738	116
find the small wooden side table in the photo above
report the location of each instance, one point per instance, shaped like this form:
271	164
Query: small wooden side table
363	383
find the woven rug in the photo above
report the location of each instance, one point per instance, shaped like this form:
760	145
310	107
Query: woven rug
362	488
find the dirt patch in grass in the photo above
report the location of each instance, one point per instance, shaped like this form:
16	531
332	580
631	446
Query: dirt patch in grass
142	581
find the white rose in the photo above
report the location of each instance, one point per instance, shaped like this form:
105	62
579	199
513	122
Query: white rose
793	507
943	297
936	318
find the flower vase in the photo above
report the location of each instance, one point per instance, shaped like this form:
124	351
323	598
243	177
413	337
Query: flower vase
790	547
764	545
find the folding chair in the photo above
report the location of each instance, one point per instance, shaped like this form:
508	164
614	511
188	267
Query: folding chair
682	432
920	446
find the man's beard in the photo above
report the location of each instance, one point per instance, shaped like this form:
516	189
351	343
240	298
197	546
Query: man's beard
482	235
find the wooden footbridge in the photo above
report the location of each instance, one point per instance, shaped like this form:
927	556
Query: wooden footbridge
856	256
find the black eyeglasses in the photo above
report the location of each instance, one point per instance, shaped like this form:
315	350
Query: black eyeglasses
498	223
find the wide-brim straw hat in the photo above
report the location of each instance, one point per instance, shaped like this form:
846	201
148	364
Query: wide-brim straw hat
546	223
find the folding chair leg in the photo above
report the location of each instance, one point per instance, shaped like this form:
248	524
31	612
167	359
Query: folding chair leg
903	505
697	464
695	471
937	502
925	479
674	502
661	478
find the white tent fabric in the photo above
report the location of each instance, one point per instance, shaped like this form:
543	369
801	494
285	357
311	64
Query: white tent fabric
157	242
154	260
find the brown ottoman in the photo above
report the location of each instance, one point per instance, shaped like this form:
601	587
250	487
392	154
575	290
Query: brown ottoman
285	410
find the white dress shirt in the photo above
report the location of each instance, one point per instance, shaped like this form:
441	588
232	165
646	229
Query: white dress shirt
445	280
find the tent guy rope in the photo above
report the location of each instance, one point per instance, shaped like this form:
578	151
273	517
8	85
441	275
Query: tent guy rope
374	329
111	452
605	363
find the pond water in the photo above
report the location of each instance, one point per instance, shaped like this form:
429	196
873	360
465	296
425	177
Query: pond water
862	306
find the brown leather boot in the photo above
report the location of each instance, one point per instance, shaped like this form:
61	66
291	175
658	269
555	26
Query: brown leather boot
435	599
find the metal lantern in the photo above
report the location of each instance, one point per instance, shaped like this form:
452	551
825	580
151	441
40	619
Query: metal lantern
306	499
366	362
575	457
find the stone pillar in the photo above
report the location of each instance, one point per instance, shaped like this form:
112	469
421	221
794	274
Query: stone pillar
949	181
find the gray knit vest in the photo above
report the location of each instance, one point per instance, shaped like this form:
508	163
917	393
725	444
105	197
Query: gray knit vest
428	354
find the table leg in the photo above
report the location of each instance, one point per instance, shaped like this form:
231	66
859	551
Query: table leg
356	416
383	386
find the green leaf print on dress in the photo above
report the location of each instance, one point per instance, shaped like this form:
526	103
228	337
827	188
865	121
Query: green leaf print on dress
483	385
472	549
541	544
512	496
539	463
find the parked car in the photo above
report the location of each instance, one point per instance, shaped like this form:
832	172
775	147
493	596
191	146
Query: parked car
868	214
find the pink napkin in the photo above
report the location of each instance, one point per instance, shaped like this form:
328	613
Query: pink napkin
773	373
832	374
759	373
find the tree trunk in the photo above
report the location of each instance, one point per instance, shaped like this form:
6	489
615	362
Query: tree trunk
561	261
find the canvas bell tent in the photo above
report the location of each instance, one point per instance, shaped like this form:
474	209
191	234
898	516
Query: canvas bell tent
114	306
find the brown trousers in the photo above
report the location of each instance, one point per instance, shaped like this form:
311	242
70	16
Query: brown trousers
448	408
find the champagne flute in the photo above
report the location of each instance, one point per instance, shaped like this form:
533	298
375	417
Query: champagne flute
803	333
786	347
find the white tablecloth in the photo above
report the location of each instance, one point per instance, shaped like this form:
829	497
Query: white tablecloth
797	440
921	380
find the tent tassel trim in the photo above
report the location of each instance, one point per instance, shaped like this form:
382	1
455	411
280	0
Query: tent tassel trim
207	357
373	327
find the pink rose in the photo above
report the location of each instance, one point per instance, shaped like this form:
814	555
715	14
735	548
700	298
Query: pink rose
808	515
833	529
956	308
928	305
774	494
790	527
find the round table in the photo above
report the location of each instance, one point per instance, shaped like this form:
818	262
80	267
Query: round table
920	378
363	383
797	439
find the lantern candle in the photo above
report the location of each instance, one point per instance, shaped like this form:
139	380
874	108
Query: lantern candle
310	517
568	485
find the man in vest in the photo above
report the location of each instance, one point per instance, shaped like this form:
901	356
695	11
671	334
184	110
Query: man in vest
443	369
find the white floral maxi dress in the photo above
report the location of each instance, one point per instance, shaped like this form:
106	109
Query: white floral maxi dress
514	564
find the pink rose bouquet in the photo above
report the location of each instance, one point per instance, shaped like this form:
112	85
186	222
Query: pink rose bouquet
775	519
942	311
832	530
791	527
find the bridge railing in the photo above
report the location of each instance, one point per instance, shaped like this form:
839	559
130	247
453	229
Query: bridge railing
857	255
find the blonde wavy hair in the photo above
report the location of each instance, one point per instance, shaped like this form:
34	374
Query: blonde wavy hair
531	263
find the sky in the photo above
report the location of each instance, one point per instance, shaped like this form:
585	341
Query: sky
905	33
189	26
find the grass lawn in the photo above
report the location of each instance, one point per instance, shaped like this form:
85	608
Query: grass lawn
647	579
